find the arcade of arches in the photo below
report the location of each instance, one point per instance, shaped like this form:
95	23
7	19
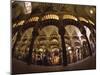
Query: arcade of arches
53	37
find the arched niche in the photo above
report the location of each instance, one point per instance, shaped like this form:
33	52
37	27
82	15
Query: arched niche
72	35
91	38
47	34
48	41
74	42
23	44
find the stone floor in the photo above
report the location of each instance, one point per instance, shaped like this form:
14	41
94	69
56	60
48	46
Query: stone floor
22	67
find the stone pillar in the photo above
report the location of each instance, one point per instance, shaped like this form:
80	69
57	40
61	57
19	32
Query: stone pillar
17	39
34	35
62	32
84	33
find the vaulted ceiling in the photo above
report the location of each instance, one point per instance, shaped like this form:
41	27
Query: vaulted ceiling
85	11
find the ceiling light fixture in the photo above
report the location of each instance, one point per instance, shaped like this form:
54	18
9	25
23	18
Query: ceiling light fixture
91	11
